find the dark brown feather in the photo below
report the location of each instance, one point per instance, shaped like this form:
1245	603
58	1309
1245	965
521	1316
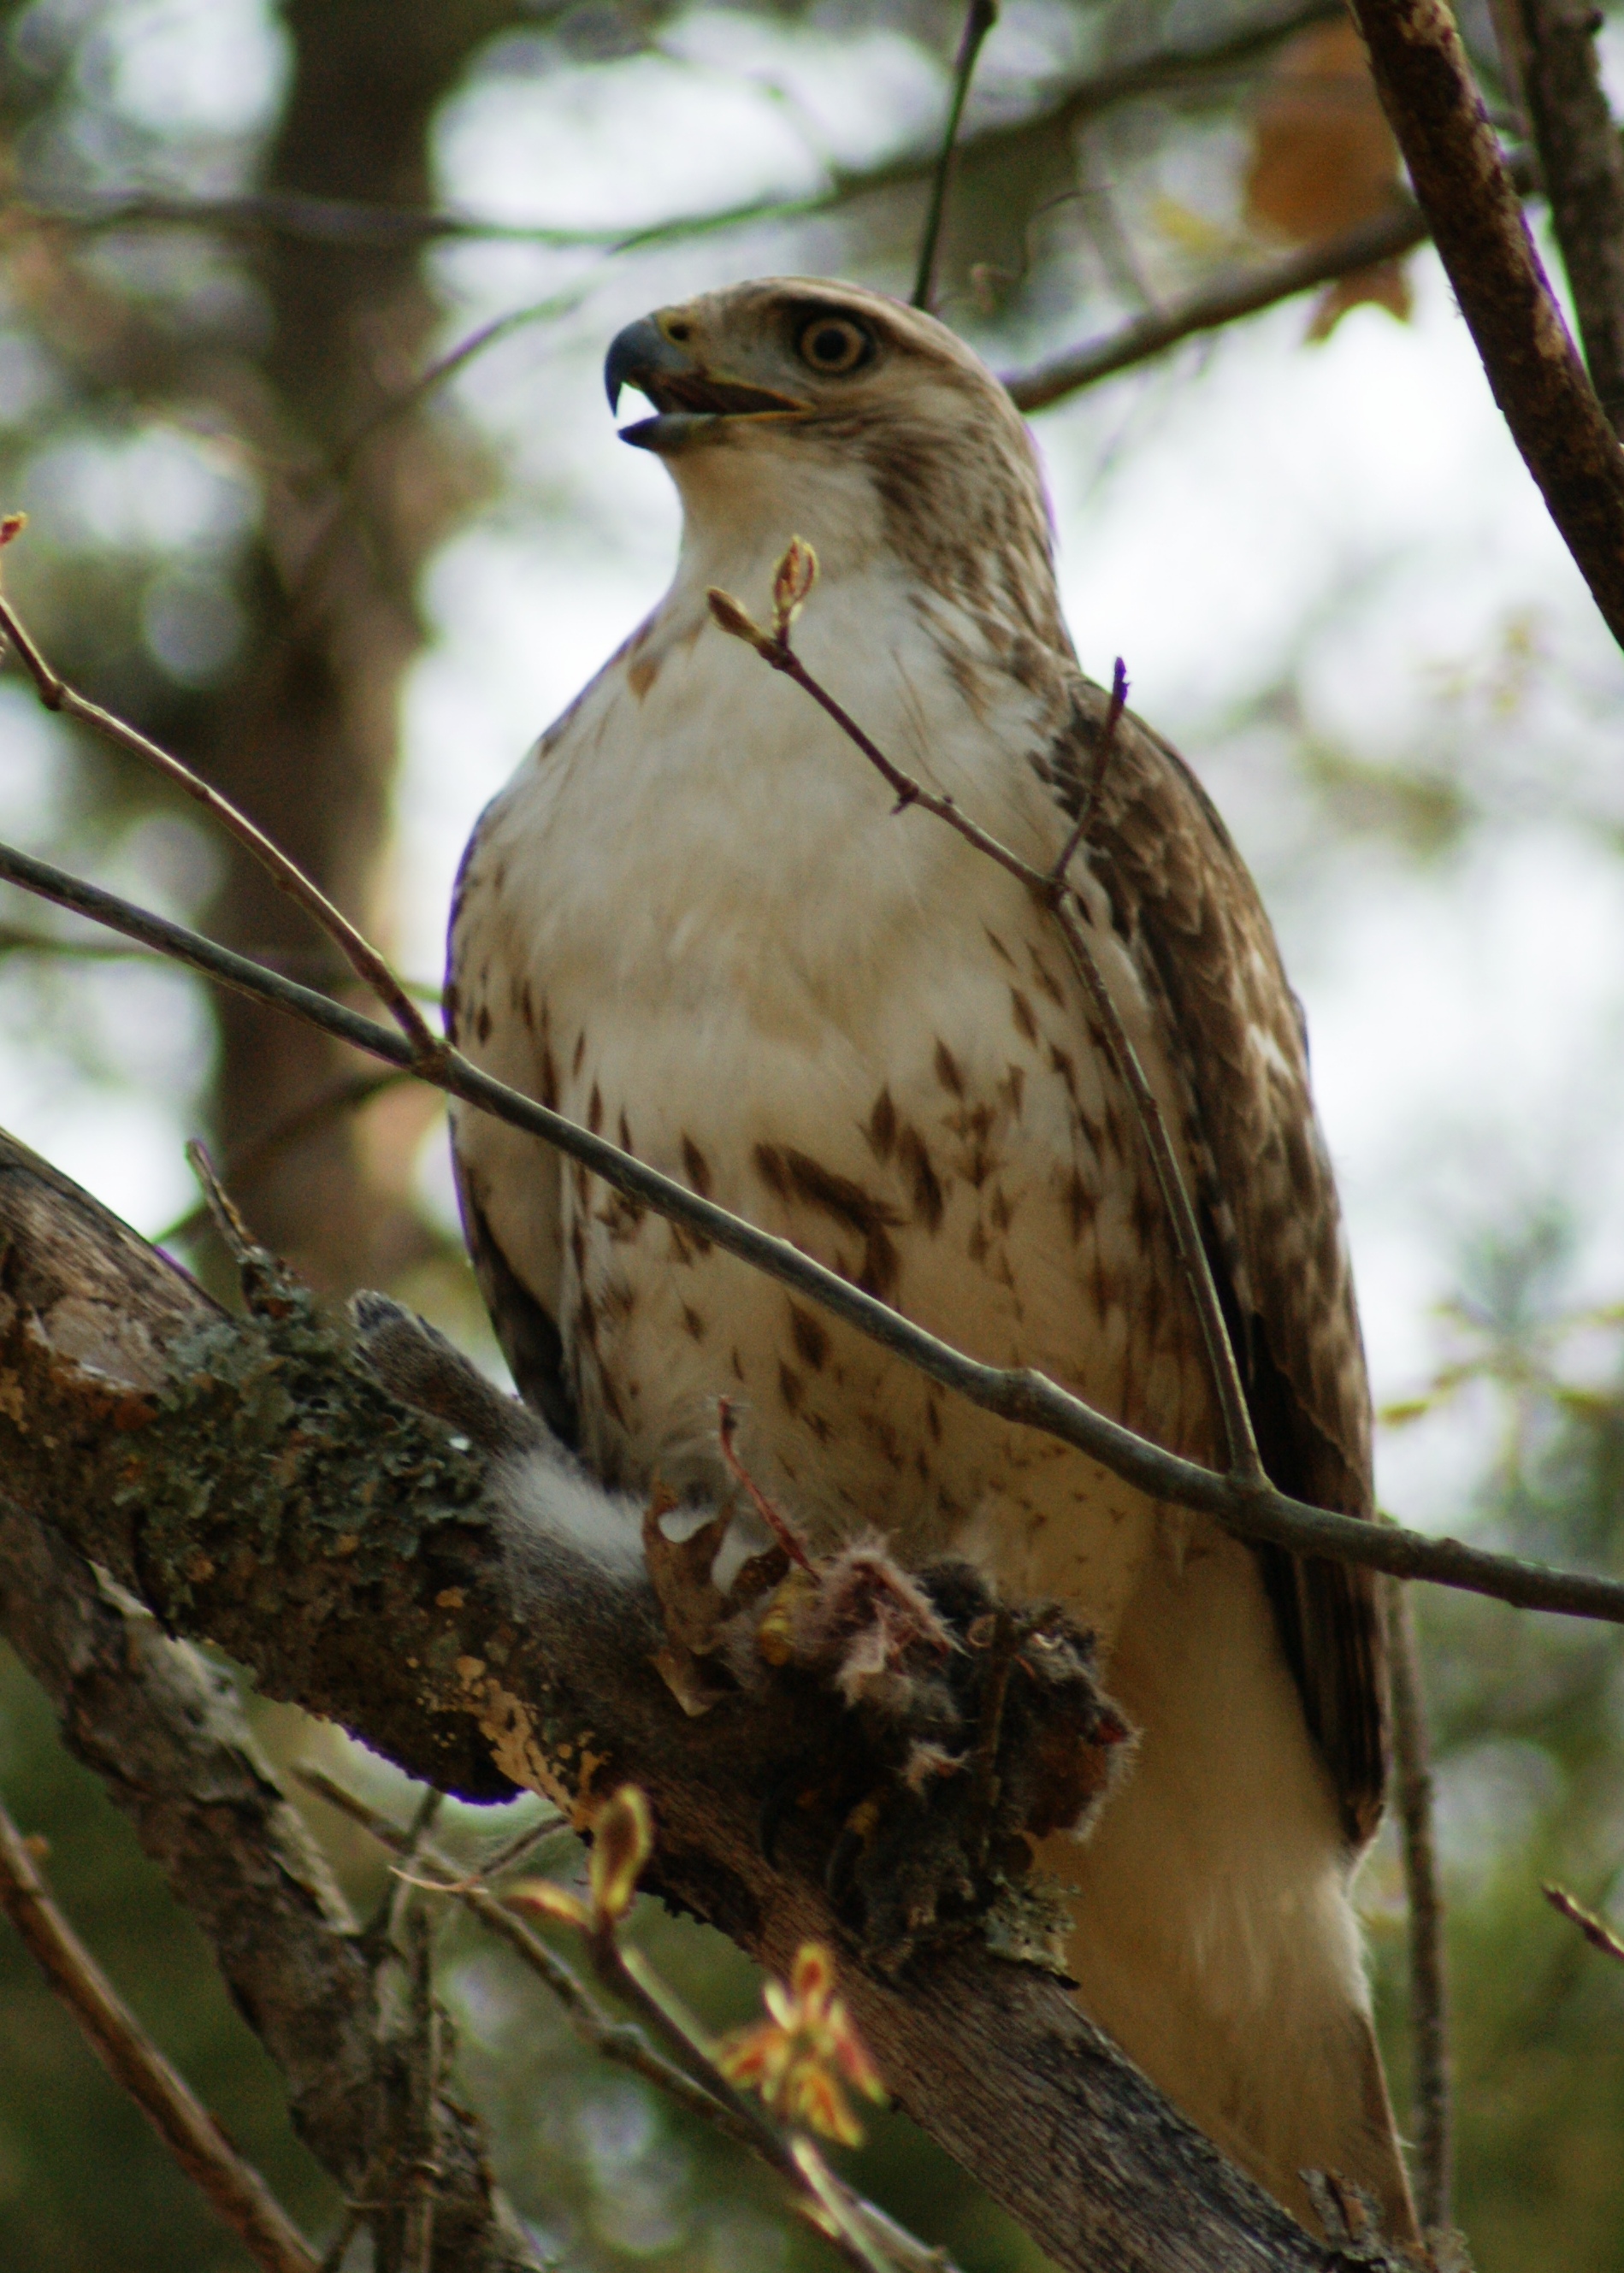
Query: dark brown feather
530	1338
1183	901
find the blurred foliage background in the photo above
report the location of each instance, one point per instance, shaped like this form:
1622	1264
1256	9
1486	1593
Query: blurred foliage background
300	307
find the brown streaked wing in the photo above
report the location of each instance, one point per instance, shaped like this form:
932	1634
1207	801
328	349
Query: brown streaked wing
1181	899
529	1334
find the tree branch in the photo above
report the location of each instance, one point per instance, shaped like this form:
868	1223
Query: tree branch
1582	162
979	18
352	222
1466	191
165	1732
55	695
1224	301
1228	298
1017	1394
1429	2004
234	2188
260	1486
1596	1930
793	582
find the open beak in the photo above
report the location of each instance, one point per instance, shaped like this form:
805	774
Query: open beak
688	400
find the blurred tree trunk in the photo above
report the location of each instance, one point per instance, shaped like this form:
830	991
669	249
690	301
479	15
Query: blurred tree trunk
306	737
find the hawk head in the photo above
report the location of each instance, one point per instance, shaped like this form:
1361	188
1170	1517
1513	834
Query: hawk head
794	403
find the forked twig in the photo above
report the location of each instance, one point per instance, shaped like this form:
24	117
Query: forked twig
363	958
233	2189
793	581
870	2240
615	2041
1016	1393
979	18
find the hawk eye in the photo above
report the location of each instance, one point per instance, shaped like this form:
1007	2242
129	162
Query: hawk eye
834	344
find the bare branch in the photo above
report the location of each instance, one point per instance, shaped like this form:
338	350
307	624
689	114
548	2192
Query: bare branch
1431	2117
233	2188
1176	68
363	958
1466	191
164	1732
1229	298
424	2062
613	2040
703	2095
979	18
1017	1394
282	1136
1244	1463
1582	160
372	1564
1224	301
1596	1930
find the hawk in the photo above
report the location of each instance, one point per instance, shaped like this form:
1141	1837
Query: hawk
693	922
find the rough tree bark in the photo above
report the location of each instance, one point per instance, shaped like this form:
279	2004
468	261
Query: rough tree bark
166	1734
1464	186
1580	155
252	1481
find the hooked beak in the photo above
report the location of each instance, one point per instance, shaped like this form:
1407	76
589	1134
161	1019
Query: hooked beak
688	402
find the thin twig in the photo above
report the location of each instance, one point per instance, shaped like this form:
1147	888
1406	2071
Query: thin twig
615	2040
1463	186
1103	751
282	1138
363	958
1431	2112
826	2190
344	221
343	468
1229	298
233	2189
311	964
418	2235
979	18
842	2217
1018	1394
1596	1930
390	1923
1242	1460
776	1522
691	2079
1226	300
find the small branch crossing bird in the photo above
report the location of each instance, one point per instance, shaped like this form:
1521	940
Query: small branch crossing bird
693	922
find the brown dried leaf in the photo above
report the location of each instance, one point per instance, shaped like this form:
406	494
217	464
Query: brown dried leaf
694	1609
1323	155
679	1573
1323	160
1384	285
